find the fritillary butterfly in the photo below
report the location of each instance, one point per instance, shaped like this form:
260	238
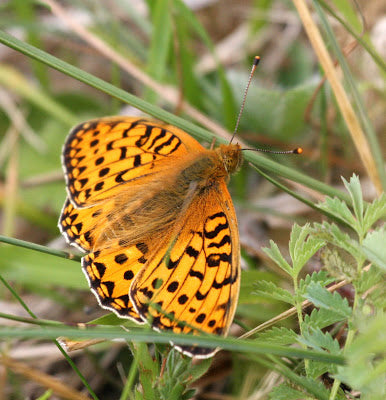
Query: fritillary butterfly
150	207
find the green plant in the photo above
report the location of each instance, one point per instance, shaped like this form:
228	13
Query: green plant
359	319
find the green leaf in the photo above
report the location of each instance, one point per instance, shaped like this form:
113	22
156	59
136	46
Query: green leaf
316	388
271	291
321	276
339	209
283	336
332	234
339	263
319	340
355	191
274	254
321	318
374	211
112	319
332	302
276	112
197	370
316	369
298	237
369	279
374	246
302	247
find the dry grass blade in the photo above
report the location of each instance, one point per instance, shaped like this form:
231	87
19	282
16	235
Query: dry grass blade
343	101
42	379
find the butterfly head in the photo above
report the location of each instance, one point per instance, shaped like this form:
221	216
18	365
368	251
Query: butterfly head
231	157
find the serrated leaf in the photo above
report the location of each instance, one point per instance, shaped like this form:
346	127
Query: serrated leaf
316	369
321	276
310	247
311	385
274	254
285	392
339	209
355	191
321	318
332	234
374	211
322	298
298	236
302	247
319	340
374	246
271	291
339	263
276	335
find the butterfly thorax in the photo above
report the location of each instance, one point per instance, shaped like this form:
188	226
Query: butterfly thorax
208	167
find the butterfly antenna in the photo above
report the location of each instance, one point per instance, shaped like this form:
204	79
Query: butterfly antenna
298	150
254	65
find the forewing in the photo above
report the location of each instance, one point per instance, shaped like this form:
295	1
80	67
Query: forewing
192	283
101	155
104	157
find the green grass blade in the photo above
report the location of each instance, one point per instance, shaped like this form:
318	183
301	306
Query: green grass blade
144	335
38	247
159	44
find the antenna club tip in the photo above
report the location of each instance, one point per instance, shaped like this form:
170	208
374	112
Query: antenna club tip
256	60
298	150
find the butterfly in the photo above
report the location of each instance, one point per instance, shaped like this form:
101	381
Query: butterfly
150	207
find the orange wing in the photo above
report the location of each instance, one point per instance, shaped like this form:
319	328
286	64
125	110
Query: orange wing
157	252
103	155
191	283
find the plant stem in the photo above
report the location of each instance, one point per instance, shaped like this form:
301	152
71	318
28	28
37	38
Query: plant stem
299	311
